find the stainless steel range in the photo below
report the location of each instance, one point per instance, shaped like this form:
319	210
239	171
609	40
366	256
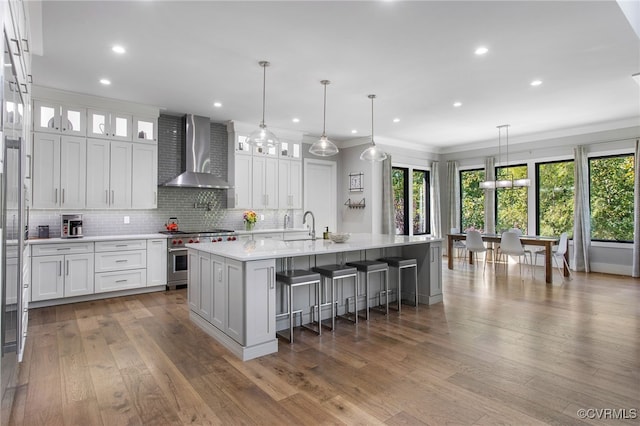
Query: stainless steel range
177	261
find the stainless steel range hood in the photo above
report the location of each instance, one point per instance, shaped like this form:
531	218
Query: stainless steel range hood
196	160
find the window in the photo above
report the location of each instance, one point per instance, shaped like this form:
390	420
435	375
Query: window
420	202
611	198
471	199
511	204
411	208
554	197
399	181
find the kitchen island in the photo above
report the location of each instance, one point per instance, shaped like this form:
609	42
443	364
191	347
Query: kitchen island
232	286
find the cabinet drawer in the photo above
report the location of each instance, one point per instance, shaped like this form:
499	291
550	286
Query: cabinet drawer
112	281
121	245
119	261
62	248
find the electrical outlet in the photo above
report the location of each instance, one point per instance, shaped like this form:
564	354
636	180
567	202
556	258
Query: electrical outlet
261	217
126	219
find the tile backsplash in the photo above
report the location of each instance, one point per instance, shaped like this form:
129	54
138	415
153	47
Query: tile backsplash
196	209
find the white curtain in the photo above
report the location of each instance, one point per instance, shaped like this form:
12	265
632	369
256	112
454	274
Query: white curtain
453	190
388	227
435	213
581	215
489	197
636	214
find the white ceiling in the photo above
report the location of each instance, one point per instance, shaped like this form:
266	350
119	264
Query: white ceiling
417	57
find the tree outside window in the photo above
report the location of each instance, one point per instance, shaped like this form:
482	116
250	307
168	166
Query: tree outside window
471	199
418	218
420	193
511	203
399	178
611	198
555	196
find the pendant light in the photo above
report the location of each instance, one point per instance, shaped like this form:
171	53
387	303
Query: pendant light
324	147
262	137
373	153
504	183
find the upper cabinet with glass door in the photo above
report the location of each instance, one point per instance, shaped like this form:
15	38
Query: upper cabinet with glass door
145	129
289	149
109	125
52	117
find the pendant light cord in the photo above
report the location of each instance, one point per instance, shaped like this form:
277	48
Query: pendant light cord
324	111
372	97
264	90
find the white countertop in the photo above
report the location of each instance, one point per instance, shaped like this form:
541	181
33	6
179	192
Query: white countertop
260	249
272	230
95	238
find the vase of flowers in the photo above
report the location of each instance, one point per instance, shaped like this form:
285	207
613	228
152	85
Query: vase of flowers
250	218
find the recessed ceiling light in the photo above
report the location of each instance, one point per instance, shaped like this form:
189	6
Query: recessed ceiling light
354	131
396	120
536	82
481	50
217	104
457	104
118	49
636	77
296	120
105	81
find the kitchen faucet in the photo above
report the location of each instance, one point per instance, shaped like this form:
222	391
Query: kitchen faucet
312	232
287	218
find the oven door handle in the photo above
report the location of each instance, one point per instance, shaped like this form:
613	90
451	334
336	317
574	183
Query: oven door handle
176	250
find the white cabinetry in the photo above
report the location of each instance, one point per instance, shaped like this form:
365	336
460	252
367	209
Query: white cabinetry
120	265
265	182
59	171
290	184
61	270
109	125
290	149
243	180
156	262
201	294
144	188
237	299
259	301
109	176
145	129
53	117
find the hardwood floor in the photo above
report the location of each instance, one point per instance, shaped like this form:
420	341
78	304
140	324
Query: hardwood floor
499	350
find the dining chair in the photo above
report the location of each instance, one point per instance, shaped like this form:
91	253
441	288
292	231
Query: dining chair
510	245
459	245
558	252
526	250
475	245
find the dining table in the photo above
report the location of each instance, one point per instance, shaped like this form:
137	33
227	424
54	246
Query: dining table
533	240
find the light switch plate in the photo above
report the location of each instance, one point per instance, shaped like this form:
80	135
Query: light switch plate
126	219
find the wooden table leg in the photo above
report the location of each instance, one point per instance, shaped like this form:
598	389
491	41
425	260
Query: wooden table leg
450	252
566	271
548	277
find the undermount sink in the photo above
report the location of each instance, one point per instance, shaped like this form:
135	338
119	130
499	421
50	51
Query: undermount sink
298	239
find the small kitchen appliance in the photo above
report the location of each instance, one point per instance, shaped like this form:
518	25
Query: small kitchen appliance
71	226
43	231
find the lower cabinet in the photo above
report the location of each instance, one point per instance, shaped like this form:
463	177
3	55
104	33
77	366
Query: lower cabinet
61	270
59	276
120	265
78	268
238	298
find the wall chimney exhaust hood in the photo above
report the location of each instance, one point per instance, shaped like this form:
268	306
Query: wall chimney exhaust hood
196	160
